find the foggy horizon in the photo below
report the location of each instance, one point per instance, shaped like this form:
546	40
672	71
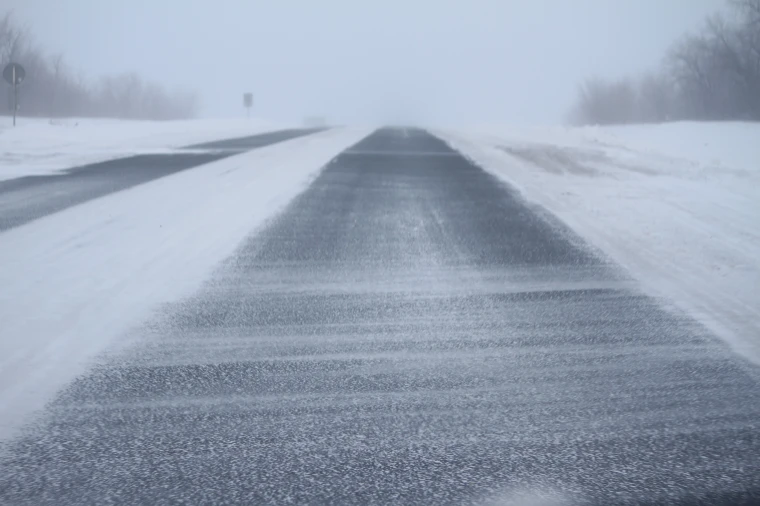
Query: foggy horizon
486	61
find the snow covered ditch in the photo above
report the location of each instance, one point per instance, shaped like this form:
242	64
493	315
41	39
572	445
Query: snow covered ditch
73	283
42	146
676	205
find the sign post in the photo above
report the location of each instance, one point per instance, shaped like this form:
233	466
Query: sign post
248	103
14	74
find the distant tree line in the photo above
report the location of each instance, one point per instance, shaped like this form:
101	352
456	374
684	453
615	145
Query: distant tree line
711	75
52	89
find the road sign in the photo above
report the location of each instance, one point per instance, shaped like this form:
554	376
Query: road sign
14	74
248	103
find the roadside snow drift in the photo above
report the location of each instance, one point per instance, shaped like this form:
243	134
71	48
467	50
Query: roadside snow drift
76	281
38	146
676	205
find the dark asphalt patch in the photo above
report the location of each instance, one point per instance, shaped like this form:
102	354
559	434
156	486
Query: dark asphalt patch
406	331
29	198
256	141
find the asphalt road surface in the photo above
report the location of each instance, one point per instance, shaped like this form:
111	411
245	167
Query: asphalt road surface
406	331
29	198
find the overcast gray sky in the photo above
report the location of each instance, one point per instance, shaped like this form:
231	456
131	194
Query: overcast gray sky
432	61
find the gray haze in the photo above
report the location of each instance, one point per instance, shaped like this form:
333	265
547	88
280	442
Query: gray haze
426	61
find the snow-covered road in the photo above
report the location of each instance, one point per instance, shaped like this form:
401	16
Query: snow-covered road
352	319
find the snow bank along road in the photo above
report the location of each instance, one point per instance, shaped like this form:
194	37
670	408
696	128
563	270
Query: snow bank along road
28	198
406	330
677	205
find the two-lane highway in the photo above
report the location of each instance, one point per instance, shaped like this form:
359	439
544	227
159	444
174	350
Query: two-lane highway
407	331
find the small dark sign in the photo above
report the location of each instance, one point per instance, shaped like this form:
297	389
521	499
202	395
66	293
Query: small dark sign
14	74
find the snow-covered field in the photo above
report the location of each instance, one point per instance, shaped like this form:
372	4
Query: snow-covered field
41	146
73	282
677	205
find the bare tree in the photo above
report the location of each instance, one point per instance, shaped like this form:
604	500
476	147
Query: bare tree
12	39
51	90
58	69
656	101
603	102
750	9
714	74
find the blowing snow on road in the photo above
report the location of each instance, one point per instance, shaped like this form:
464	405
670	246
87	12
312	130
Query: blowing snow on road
349	316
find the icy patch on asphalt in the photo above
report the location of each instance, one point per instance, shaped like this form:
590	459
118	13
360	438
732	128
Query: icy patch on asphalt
38	146
74	282
678	206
